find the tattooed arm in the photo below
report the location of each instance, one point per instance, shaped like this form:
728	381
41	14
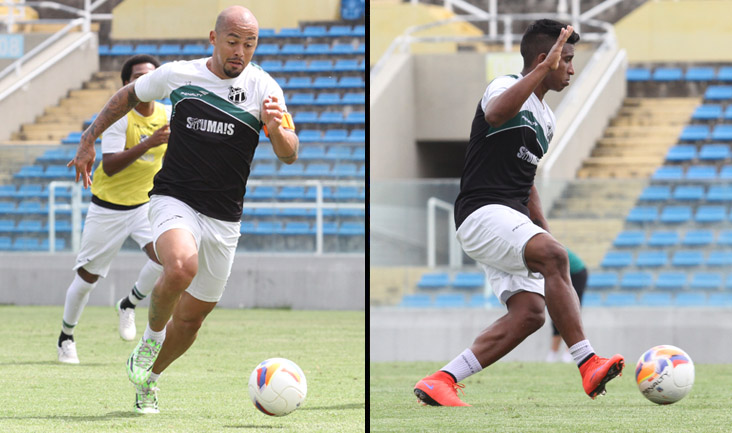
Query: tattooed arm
120	104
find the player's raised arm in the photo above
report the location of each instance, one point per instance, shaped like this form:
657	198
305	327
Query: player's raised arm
284	140
120	104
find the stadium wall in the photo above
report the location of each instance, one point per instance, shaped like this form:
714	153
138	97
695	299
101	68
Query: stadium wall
301	282
440	335
71	70
193	19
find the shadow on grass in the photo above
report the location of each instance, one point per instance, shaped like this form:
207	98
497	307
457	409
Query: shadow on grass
108	416
336	407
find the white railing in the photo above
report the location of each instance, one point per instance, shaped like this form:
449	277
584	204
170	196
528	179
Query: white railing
455	252
319	204
507	38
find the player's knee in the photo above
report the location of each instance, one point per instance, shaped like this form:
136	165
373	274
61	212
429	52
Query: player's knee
555	257
190	325
534	319
180	273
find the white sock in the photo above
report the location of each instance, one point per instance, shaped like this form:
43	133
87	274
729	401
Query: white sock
581	351
154	377
77	295
145	281
156	336
464	365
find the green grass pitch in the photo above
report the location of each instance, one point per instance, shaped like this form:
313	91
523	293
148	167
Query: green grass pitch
203	391
540	397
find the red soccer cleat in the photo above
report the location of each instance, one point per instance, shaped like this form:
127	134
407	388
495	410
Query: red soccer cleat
439	389
596	372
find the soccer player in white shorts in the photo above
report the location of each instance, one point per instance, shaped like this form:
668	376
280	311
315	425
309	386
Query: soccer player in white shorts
500	223
133	149
220	105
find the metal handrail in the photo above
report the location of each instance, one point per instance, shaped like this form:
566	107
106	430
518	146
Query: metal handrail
455	252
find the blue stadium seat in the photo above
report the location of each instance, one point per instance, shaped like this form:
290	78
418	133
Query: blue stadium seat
335	135
354	98
701	172
325	83
707	112
265	153
268	228
7	226
359	154
331	117
356	117
416	301
298	228
630	238
291	170
651	259
194	50
667	74
602	280
724	74
642	214
336	153
121	50
479	300
311	152
314	31
620	299
103	50
352	228
262	192
170	50
318	170
698	238
725	238
727	113
437	280
469	281
26	243
60	244
317	49
710	214
655	193
687	258
726	172
151	49
359	30
320	66
292	49
718	258
348	82
309	135
345	170
29	226
706	281
339	48
671	280
720	299
306	117
264	170
31	190
336	31
722	133
450	300
714	152
690	299
675	214
591	299
268	49
688	193
655	299
247	227
694	133
718	93
357	136
681	153
346	65
617	259
328	98
295	66
272	65
638	74
668	172
302	99
289	32
700	73
663	239
7	207
348	193
291	193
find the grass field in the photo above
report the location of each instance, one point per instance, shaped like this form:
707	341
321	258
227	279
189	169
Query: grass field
203	391
538	397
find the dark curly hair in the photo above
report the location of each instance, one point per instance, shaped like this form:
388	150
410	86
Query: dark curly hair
136	60
539	38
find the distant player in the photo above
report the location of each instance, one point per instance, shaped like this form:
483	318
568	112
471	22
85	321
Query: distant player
221	104
578	275
501	224
132	153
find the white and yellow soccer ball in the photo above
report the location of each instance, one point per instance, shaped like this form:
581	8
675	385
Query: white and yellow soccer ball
665	374
277	386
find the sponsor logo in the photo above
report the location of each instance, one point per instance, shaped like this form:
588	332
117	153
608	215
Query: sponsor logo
524	154
237	95
207	125
174	217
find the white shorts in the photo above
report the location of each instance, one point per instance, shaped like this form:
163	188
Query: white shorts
105	230
495	236
216	242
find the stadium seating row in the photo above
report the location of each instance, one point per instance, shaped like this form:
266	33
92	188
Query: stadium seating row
178	50
460	281
590	299
684	258
661	281
713	112
708	152
692	172
720	132
672	238
695	73
685	193
704	214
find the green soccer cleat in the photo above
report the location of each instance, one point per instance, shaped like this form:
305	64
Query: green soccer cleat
139	365
146	398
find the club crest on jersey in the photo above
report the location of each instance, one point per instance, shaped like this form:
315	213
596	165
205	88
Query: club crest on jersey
237	95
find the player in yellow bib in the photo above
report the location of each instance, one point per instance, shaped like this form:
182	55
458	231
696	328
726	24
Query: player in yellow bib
133	150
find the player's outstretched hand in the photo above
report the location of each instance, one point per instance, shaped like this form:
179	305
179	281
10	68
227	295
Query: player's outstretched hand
160	136
555	54
83	162
271	113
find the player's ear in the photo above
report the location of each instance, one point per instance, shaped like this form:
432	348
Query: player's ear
212	37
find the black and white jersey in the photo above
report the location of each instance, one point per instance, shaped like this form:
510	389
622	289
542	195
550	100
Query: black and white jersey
500	163
214	129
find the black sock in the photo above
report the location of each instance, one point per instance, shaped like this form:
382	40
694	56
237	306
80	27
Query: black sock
63	337
125	304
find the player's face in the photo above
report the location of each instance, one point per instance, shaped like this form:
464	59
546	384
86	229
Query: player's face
559	79
234	48
141	69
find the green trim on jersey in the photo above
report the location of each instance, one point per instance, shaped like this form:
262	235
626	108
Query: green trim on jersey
524	118
210	98
575	263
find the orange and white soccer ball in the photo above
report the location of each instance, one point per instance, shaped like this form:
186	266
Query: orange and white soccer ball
665	374
277	386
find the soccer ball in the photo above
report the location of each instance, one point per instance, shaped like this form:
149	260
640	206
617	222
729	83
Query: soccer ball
277	386
665	374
